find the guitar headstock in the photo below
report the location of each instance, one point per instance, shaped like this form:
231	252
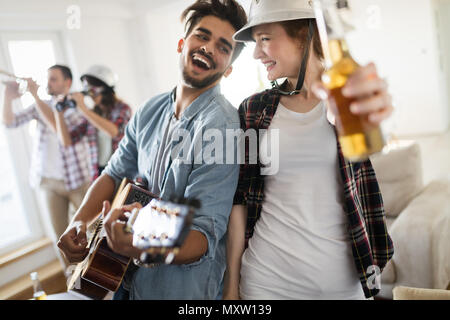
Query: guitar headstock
163	224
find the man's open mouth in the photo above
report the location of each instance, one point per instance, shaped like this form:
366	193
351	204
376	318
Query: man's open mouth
202	62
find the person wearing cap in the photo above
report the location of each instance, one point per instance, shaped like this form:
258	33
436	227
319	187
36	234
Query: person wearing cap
61	174
314	228
181	116
105	117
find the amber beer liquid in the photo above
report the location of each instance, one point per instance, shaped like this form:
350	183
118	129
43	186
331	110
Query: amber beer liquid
357	136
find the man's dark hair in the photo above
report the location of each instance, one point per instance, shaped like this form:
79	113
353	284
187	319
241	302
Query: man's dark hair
67	74
227	10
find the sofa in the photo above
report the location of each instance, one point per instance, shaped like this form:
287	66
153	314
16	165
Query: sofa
418	219
407	293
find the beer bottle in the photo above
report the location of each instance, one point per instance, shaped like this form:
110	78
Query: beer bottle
357	136
38	291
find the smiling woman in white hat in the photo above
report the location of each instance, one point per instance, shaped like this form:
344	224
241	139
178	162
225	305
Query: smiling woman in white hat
309	225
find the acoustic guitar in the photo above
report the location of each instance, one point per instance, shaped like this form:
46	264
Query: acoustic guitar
159	224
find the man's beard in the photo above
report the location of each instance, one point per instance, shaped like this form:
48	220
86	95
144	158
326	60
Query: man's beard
52	92
203	83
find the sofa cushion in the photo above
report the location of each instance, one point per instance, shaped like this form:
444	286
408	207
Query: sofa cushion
399	174
389	222
421	237
408	293
388	275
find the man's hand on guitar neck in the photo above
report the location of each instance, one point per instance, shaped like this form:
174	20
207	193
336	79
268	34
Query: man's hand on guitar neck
114	222
193	248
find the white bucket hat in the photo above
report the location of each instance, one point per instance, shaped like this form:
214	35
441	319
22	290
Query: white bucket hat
102	73
268	11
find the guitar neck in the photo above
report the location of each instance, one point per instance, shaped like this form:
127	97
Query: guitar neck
127	193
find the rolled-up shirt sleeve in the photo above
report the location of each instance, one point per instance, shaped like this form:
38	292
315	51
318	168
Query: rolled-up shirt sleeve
23	117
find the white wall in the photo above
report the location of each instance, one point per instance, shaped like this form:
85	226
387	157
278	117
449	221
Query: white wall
163	30
105	41
404	45
442	10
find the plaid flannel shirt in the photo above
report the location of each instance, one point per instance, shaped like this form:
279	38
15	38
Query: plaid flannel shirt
120	115
75	157
371	244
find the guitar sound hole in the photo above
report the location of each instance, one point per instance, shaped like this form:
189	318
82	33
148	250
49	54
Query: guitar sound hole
142	199
139	196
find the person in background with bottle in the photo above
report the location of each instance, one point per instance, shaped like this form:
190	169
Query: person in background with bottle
61	173
104	117
315	228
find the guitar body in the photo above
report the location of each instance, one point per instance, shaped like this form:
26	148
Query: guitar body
103	270
106	268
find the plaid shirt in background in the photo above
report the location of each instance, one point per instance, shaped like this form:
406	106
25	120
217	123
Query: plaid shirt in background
119	115
75	157
371	244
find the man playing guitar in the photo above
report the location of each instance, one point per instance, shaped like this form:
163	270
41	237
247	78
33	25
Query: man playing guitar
206	54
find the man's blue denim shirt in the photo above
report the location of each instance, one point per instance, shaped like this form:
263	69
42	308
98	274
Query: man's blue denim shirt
214	184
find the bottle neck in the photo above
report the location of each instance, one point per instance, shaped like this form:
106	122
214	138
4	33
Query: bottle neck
338	50
37	287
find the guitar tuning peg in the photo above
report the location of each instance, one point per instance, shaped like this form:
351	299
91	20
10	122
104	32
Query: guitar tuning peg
164	236
175	212
174	199
178	200
195	203
145	257
169	258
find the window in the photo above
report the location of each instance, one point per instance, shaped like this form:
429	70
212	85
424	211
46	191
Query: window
33	65
13	222
26	55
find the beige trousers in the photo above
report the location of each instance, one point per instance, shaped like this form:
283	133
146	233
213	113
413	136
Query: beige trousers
57	200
